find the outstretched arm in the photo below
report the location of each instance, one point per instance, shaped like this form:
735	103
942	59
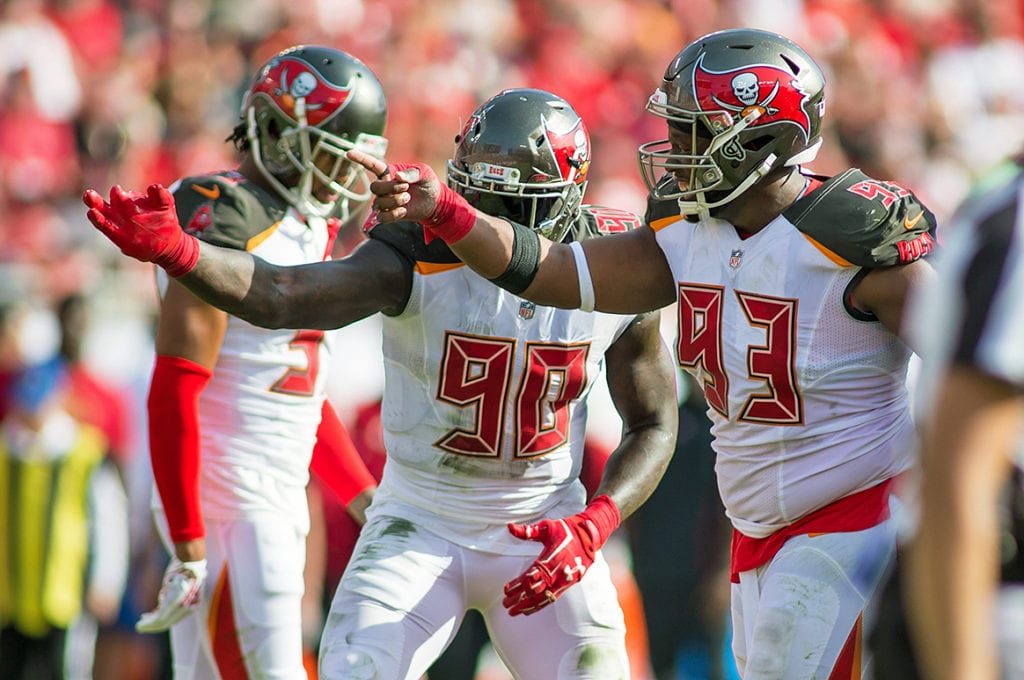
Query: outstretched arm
321	295
628	271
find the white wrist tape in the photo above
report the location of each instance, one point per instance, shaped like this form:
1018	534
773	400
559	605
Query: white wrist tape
583	273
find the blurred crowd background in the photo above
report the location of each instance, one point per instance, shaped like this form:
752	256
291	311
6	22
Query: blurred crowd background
96	92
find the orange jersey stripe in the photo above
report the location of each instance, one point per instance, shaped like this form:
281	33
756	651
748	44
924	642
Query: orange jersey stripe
227	652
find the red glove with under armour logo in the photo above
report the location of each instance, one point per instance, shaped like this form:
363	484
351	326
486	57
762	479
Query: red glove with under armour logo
569	548
144	226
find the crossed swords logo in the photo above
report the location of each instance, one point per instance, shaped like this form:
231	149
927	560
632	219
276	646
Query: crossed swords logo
746	88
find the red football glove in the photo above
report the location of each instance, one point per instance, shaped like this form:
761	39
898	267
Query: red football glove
144	226
569	548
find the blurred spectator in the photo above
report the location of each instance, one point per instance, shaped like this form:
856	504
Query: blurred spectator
63	525
92	398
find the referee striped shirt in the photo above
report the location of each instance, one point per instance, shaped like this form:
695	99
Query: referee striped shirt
974	315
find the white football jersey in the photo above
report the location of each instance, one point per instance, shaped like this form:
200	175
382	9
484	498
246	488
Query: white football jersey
485	408
260	411
808	404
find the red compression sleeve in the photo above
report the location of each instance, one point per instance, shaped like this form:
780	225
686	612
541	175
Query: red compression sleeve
336	461
453	216
595	457
173	407
452	219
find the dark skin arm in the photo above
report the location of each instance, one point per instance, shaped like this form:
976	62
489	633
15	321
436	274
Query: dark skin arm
642	383
883	292
322	295
629	270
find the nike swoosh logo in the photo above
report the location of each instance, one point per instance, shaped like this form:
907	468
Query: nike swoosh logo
214	193
909	224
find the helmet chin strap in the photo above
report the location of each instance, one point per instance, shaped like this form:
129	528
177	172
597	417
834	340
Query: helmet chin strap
701	208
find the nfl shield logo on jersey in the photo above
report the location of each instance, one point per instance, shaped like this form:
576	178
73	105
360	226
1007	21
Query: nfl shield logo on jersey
526	309
735	257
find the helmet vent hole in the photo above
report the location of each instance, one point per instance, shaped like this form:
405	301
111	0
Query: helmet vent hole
793	66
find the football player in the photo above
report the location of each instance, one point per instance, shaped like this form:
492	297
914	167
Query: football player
235	410
790	289
484	412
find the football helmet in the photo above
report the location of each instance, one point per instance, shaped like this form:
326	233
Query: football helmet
524	155
305	108
748	101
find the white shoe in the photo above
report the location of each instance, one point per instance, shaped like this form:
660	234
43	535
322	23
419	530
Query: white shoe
179	596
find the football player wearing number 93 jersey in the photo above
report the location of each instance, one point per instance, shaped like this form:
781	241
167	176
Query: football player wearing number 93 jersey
790	290
484	409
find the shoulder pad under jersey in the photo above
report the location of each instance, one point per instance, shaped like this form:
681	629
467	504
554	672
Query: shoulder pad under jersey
407	239
598	220
864	221
226	209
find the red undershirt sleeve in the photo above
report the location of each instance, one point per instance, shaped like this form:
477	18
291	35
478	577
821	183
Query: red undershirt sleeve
173	408
336	460
595	457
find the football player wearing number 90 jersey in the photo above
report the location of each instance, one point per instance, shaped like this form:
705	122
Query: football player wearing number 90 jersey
237	413
484	411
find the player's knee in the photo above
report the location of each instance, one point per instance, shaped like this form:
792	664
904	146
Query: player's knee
347	663
595	661
772	640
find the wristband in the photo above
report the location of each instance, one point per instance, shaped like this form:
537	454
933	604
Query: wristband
603	512
583	274
181	258
452	219
522	267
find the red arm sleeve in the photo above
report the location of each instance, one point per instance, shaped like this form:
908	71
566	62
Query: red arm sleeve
336	461
173	408
595	456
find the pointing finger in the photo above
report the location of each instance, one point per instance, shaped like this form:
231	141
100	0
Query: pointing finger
377	166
